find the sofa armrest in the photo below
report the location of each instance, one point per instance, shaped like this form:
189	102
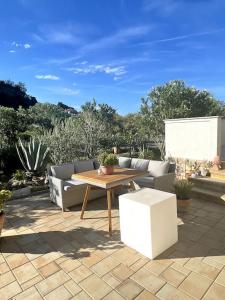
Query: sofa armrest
165	182
55	185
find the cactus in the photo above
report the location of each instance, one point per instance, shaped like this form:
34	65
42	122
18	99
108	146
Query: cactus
33	155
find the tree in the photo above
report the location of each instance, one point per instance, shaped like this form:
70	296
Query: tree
67	108
174	100
15	95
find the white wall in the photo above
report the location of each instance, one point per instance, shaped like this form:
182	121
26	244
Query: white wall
194	138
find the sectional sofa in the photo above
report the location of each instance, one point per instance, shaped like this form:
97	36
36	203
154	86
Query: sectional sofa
66	192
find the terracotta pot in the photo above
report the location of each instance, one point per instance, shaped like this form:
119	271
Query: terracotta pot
107	170
2	219
183	205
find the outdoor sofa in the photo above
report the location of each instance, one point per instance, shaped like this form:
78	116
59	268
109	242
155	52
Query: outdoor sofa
161	173
66	192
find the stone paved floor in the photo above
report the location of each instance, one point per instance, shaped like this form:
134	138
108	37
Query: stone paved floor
47	254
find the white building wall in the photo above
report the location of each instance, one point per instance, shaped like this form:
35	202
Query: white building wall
195	138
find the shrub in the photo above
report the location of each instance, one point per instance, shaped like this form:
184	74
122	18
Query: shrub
4	196
183	189
106	159
19	175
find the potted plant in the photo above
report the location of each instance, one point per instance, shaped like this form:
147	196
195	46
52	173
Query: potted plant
107	162
4	195
182	190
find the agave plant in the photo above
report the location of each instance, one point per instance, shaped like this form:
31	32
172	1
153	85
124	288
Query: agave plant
33	155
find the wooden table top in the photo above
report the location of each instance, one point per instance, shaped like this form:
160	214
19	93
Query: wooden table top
120	176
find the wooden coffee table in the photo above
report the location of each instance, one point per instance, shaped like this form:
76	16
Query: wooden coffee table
120	177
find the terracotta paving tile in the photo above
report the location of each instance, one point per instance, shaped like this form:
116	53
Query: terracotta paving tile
105	265
72	287
70	264
113	296
126	255
180	269
173	277
47	285
10	291
81	296
168	292
129	289
95	287
196	265
4	268
6	278
145	295
26	285
122	272
221	278
16	260
91	260
49	269
212	263
45	259
148	280
25	272
29	294
2	260
195	285
80	273
111	280
60	293
155	267
215	292
139	264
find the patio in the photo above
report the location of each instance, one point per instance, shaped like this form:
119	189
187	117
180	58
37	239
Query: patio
47	254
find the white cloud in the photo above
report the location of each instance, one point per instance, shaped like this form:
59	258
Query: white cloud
26	46
163	6
62	91
116	71
121	36
12	51
182	37
47	77
20	45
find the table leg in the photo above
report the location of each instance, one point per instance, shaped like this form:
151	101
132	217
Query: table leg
87	192
109	201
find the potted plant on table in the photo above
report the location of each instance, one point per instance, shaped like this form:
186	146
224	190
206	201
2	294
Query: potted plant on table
4	196
107	162
182	190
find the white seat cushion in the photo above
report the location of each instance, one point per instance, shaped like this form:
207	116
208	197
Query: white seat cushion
69	184
158	168
139	164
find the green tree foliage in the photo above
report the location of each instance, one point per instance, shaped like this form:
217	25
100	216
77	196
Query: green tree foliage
15	95
174	100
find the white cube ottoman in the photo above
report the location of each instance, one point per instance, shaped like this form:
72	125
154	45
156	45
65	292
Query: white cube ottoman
148	221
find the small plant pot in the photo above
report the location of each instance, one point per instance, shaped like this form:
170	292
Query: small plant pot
183	205
2	220
107	170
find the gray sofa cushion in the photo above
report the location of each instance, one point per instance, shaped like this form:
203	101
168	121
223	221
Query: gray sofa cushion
158	168
139	164
124	162
172	168
83	165
63	171
70	184
147	181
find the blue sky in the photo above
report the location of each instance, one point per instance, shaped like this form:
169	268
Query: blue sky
112	50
